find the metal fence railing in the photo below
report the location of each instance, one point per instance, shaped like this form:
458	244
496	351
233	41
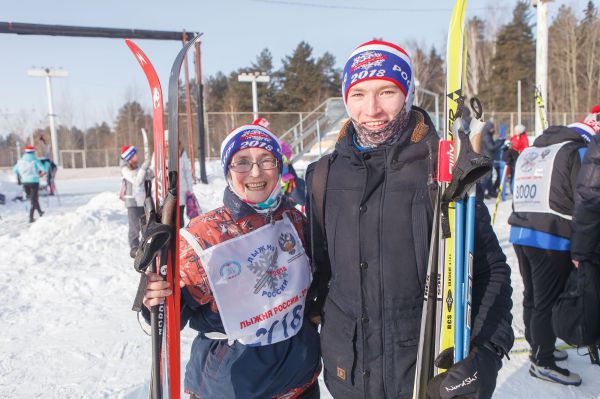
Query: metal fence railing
292	125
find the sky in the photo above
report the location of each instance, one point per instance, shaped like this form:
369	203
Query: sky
103	74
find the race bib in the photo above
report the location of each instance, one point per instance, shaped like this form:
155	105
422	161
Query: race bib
533	179
259	282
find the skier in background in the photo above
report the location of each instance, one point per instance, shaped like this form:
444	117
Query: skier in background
28	170
593	118
185	180
545	178
293	186
50	166
134	192
489	148
371	262
518	142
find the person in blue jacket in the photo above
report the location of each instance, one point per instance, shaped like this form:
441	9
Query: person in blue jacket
28	170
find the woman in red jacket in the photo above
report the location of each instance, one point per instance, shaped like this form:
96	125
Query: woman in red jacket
519	140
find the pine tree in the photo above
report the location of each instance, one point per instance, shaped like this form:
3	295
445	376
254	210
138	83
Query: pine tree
514	60
300	80
267	99
215	88
130	119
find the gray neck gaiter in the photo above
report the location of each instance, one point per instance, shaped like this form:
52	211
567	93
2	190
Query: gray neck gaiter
389	134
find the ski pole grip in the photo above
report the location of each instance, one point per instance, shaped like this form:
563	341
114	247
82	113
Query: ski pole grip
445	160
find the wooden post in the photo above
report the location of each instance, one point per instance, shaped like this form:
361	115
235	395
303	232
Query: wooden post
200	110
188	112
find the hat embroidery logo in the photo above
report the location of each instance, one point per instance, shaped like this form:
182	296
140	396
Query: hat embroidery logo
367	60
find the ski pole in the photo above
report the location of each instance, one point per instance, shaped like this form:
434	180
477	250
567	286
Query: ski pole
594	354
502	180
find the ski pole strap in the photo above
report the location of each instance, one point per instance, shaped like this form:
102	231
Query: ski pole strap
139	295
460	174
154	237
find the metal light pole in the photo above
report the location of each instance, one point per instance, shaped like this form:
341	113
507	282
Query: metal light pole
541	53
50	73
518	103
253	78
437	102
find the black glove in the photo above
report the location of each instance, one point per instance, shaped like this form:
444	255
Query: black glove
472	378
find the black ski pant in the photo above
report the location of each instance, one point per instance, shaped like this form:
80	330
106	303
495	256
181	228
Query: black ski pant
544	273
33	193
134	214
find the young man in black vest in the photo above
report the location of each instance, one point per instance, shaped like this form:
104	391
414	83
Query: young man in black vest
371	258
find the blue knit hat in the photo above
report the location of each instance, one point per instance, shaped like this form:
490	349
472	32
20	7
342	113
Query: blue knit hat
249	136
585	130
378	60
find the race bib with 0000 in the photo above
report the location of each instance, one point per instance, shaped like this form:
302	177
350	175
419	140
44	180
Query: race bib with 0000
533	175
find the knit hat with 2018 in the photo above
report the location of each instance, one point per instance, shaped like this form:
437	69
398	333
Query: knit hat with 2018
379	60
249	136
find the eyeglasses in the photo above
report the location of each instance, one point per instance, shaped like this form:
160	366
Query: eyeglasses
246	165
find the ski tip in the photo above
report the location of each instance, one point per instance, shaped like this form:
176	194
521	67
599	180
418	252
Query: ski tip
132	46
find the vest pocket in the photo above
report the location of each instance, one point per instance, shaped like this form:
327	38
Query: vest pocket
403	352
340	350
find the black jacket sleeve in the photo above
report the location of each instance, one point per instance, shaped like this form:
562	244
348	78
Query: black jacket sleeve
317	250
492	303
585	241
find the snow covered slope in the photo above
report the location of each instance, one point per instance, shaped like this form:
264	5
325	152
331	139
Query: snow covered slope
67	287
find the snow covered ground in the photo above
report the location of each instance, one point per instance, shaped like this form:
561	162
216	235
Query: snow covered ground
67	287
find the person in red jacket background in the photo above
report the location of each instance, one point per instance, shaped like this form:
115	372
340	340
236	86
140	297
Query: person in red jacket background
519	140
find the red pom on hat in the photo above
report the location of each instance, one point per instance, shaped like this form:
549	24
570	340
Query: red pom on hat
261	122
596	109
29	149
